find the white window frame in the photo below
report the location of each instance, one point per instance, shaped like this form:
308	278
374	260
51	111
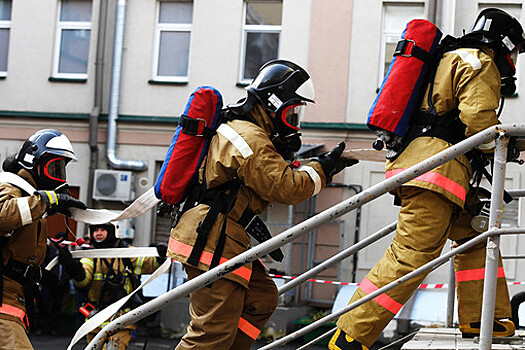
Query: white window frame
6	25
255	28
68	25
169	27
387	35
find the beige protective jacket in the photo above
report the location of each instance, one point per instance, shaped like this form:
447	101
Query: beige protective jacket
21	219
469	80
242	148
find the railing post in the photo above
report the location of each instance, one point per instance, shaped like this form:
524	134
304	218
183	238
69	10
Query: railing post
451	294
492	256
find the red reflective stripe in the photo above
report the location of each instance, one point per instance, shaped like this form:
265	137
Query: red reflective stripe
438	180
185	250
248	328
11	310
475	274
383	299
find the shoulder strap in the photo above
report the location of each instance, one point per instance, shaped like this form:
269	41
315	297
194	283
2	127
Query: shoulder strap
17	181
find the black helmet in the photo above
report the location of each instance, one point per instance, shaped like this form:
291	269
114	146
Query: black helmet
283	87
45	154
502	33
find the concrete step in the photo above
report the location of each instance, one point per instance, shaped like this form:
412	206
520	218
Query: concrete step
450	338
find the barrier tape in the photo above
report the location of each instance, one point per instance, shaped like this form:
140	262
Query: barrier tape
421	286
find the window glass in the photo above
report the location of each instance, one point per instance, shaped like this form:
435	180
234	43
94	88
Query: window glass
76	11
176	12
74	51
4	46
262	31
264	12
5	10
173	53
260	48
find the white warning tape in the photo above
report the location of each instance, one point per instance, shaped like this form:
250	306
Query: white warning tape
421	286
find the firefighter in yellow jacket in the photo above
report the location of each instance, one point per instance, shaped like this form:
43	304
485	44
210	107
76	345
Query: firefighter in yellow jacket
245	171
464	97
109	279
41	164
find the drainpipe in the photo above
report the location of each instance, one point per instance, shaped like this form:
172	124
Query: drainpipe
113	161
99	82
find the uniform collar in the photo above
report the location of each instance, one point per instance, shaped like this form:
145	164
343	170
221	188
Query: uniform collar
261	118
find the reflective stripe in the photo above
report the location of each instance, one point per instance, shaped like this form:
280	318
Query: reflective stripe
87	261
314	176
236	140
24	210
476	274
52	196
138	265
383	299
185	250
11	310
248	328
438	180
469	58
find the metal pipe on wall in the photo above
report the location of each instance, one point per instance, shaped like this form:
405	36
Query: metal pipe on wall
114	99
97	105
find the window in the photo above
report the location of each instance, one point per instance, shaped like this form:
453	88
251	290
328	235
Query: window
5	25
262	30
72	39
395	19
172	41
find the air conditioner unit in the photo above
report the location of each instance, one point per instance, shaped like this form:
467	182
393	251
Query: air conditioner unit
113	185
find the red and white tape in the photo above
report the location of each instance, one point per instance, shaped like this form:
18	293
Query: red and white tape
421	286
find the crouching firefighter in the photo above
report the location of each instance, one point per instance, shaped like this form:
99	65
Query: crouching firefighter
245	170
109	279
27	198
460	102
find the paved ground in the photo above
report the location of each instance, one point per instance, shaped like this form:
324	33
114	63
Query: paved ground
48	342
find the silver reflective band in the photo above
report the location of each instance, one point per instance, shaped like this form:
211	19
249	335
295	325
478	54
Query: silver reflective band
469	58
24	210
236	140
314	176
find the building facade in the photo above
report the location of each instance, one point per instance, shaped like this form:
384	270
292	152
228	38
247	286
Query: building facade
114	76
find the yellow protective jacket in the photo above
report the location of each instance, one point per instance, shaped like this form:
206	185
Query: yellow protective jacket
24	227
96	271
242	148
469	80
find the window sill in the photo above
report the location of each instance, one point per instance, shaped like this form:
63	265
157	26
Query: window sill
67	80
161	82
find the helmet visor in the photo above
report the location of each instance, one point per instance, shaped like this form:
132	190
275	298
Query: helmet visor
55	169
293	115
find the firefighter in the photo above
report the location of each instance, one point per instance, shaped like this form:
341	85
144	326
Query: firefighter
110	279
41	163
463	100
246	167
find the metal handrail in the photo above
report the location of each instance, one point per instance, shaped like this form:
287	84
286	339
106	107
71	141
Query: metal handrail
334	212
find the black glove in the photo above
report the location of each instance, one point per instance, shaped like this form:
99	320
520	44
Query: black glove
332	162
162	249
73	267
59	202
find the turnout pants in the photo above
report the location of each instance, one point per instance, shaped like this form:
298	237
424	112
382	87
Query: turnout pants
426	220
227	315
13	336
123	337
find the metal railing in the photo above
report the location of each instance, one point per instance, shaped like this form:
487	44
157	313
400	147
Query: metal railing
500	133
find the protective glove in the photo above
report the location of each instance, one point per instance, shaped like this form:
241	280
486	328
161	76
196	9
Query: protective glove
59	202
73	267
162	249
332	162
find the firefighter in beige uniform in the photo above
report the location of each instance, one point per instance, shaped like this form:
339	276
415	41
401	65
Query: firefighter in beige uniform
110	279
467	83
232	312
41	162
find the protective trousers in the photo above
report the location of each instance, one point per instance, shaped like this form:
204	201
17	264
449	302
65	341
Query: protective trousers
227	315
426	220
13	336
